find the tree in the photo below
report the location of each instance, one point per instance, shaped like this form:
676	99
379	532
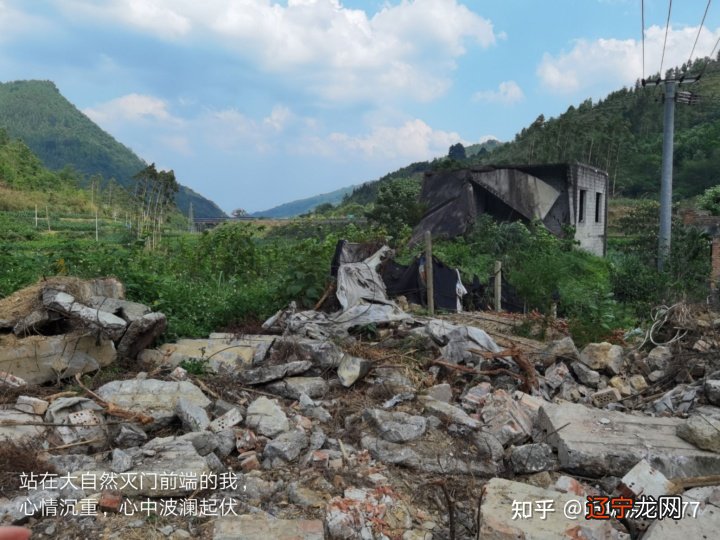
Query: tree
154	195
238	213
397	206
710	200
457	151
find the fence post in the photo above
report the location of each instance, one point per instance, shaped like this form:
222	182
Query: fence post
429	273
498	286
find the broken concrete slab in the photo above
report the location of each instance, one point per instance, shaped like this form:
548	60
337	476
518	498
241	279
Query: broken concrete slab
504	418
563	349
294	387
701	519
266	374
152	397
352	369
15	425
532	458
322	353
265	527
141	333
267	417
129	311
512	510
397	427
448	412
594	442
441	392
642	479
712	391
603	357
192	416
222	354
61	302
40	359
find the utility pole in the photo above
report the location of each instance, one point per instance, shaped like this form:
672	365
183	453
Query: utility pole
191	219
670	96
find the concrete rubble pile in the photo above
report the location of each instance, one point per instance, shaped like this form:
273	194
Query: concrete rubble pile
383	425
63	326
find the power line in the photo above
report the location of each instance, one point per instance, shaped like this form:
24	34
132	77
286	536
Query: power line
699	30
710	59
667	27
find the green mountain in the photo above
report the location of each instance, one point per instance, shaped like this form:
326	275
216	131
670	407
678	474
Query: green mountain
623	135
302	206
60	135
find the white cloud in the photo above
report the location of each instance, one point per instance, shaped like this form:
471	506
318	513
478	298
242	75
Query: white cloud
404	50
15	23
413	140
508	92
132	108
607	63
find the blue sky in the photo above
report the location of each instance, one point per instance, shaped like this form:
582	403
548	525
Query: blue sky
258	102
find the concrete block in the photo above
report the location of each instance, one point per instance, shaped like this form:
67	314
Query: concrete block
642	479
594	442
501	496
604	397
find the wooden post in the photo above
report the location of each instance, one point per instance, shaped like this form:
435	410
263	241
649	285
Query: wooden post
47	216
429	273
498	286
96	224
36	217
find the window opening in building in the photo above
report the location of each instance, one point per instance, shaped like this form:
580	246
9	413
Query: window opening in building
598	207
581	210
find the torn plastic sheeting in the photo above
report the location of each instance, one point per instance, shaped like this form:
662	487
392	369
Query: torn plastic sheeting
359	283
457	341
320	325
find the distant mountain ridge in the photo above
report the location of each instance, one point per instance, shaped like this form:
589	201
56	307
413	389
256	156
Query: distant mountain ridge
60	135
302	206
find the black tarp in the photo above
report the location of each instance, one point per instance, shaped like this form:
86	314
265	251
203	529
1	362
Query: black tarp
409	281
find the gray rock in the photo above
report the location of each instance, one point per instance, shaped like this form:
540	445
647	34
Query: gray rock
603	357
310	409
489	448
130	435
152	397
712	391
586	375
204	442
324	354
286	446
214	463
121	461
266	417
448	413
16	511
702	430
659	358
193	417
225	443
441	392
557	375
562	349
293	387
272	373
532	458
141	333
31	405
302	496
396	427
352	369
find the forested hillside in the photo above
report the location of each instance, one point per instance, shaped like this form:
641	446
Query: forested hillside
623	135
61	135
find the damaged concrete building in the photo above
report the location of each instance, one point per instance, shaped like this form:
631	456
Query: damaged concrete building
559	195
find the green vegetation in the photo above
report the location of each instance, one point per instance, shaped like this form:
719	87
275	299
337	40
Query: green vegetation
61	135
710	200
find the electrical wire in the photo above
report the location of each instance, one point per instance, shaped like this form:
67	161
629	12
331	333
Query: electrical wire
699	30
667	27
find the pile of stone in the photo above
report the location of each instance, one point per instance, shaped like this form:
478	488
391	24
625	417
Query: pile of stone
63	326
442	434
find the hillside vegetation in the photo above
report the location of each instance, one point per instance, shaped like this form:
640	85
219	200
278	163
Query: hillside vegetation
61	135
